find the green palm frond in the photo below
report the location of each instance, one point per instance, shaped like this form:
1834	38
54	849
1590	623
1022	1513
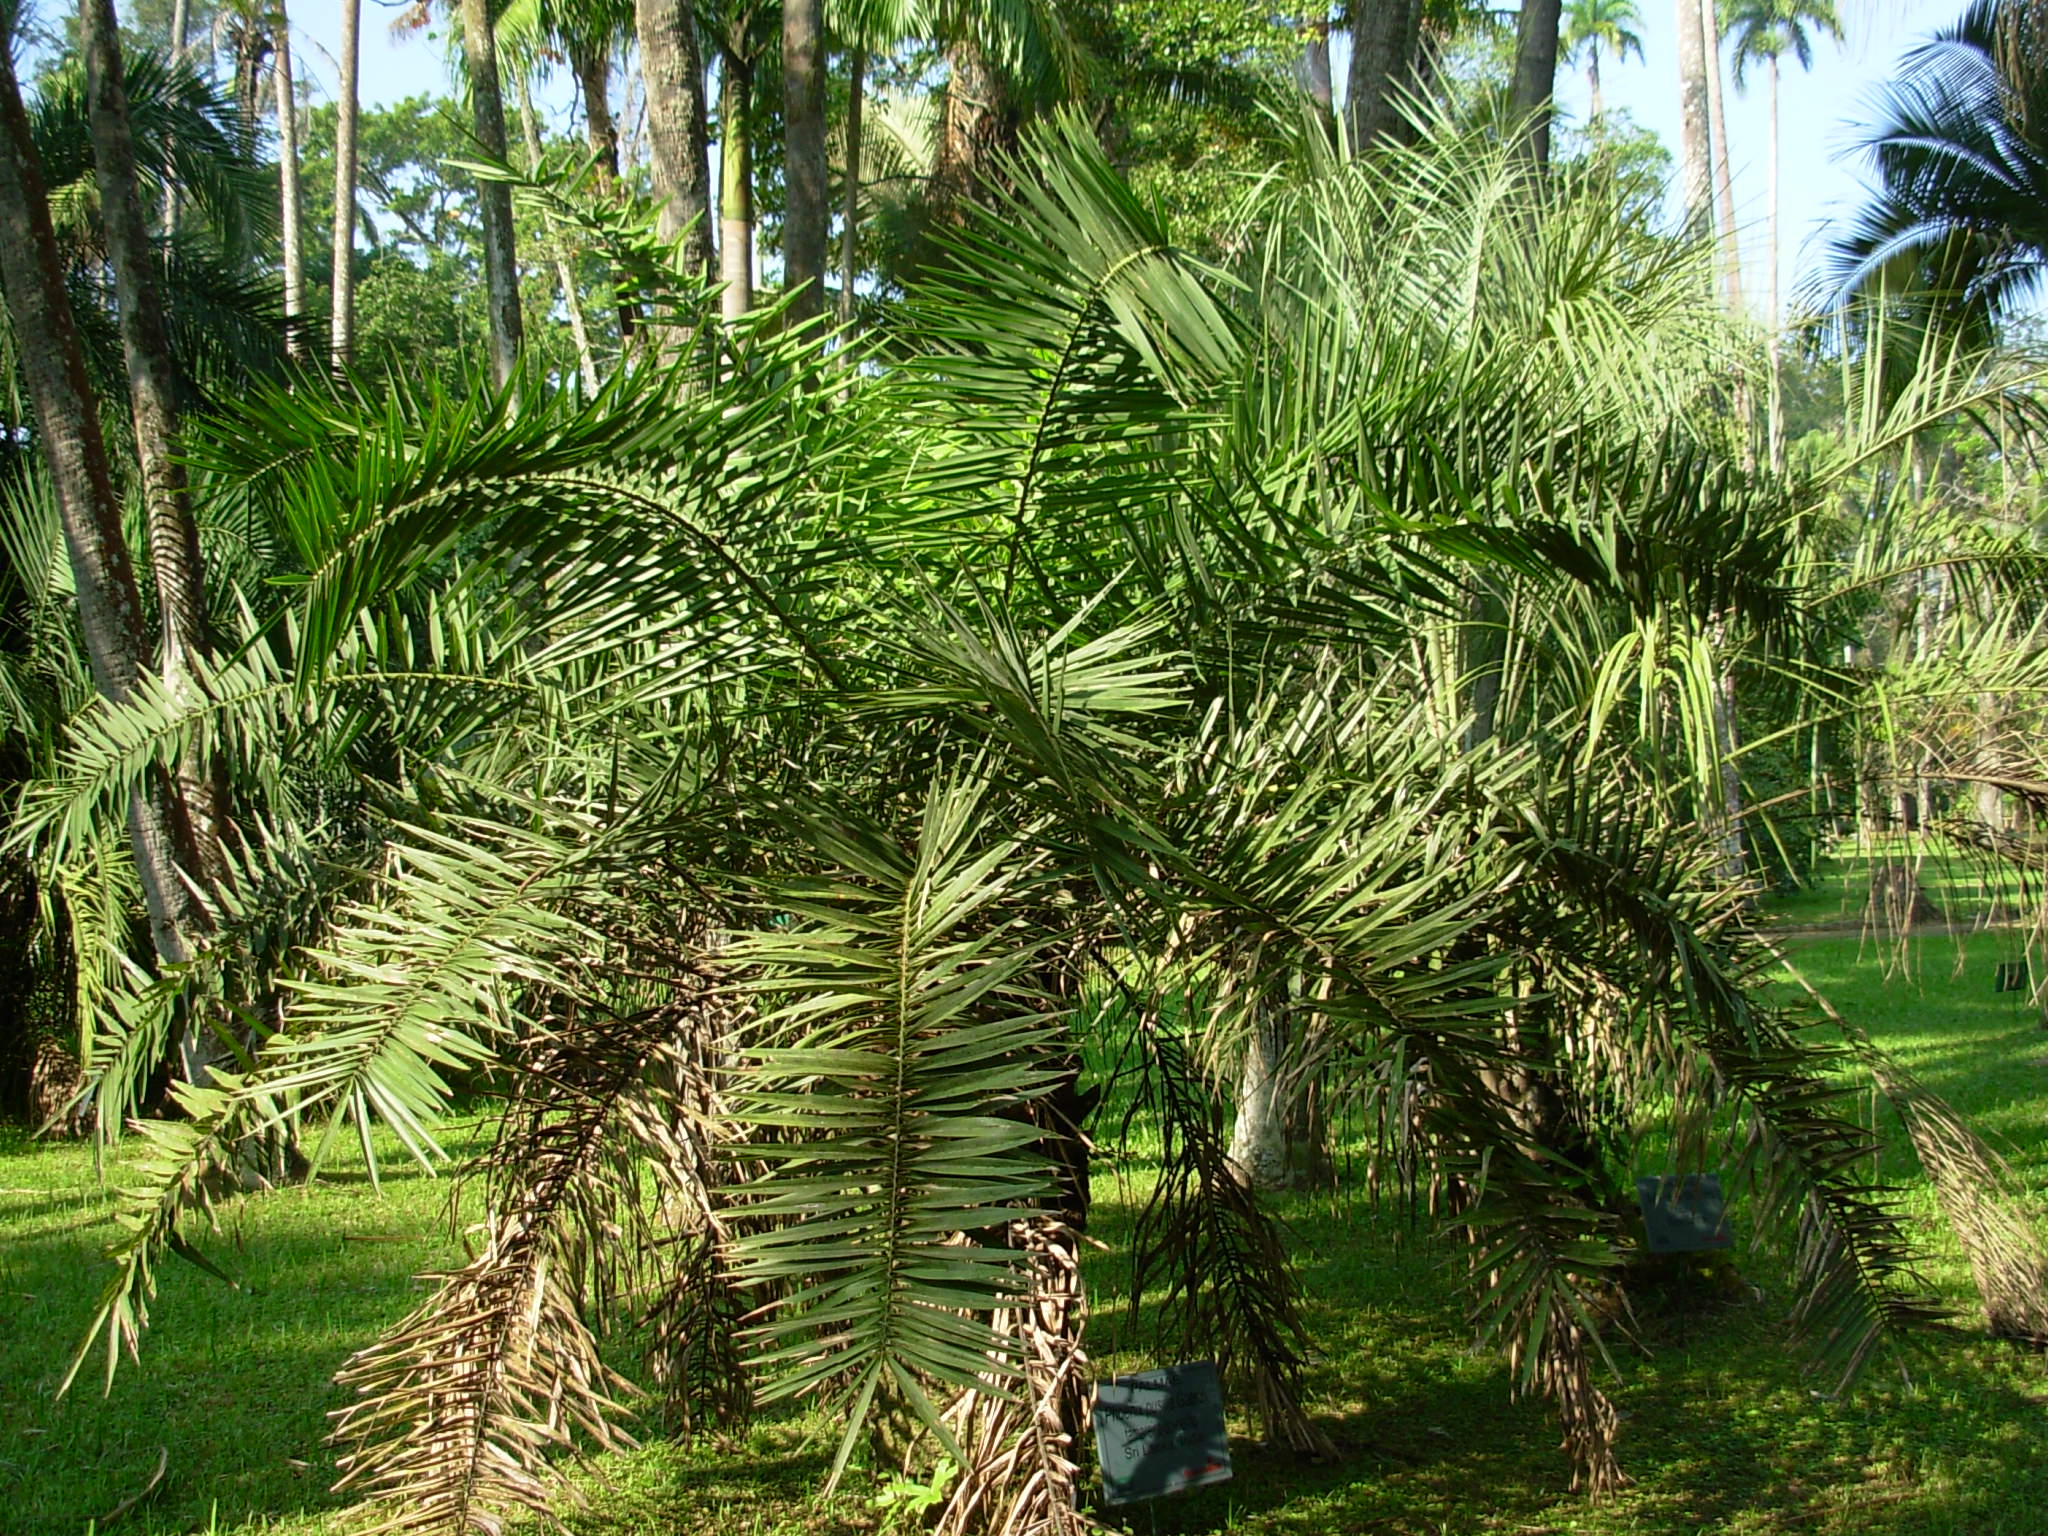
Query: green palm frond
883	1083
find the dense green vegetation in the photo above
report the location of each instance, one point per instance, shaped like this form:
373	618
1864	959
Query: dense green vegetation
1722	1428
1196	740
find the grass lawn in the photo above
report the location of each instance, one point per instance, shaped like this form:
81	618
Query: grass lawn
1721	1430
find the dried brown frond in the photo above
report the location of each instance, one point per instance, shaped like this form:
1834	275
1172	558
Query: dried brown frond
1022	1476
461	1406
1982	1199
1564	1374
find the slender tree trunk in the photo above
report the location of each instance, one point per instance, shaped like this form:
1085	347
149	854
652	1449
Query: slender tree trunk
494	198
565	276
1536	73
849	235
153	399
1593	80
808	217
181	24
1384	37
970	126
342	331
592	63
1314	70
67	431
1258	1132
288	189
594	78
1696	174
674	74
735	190
1724	174
1777	408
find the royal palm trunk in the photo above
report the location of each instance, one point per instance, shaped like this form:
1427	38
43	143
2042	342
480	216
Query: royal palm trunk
342	335
674	73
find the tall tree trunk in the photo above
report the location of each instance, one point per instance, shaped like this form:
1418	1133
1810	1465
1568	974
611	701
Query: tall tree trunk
735	189
1696	174
1777	408
67	431
1314	69
494	198
1724	174
674	74
592	63
808	217
1536	73
342	324
288	191
970	126
1258	1131
565	276
1593	80
1384	38
849	235
181	25
153	399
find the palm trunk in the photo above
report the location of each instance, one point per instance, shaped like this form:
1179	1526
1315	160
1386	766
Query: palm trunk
1384	36
808	216
735	191
969	127
1697	177
342	332
1593	81
1315	64
849	236
1777	411
1258	1132
288	190
1724	175
494	198
565	277
674	74
1536	73
152	394
67	431
181	23
594	78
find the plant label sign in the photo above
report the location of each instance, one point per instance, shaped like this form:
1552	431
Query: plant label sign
1684	1215
1160	1432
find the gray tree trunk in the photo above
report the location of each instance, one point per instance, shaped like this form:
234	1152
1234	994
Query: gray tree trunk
67	432
849	234
674	73
809	215
1724	175
181	25
288	187
342	332
1258	1134
152	394
1314	68
494	198
1385	35
1536	73
1695	172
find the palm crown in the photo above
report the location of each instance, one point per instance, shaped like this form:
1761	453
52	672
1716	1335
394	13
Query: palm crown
1770	29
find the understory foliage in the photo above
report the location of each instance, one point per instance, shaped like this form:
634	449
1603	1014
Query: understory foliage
760	776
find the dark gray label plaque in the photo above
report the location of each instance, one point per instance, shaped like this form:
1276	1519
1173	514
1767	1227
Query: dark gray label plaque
1159	1432
1684	1215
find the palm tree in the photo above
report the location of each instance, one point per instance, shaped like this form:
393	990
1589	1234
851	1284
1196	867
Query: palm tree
1766	30
673	69
808	215
288	183
1696	169
1592	26
1962	165
783	842
348	106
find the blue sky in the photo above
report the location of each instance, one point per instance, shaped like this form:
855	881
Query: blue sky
1822	178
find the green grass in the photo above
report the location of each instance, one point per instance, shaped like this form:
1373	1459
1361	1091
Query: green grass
1721	1430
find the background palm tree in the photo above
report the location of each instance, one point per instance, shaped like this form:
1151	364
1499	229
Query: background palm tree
1766	30
1594	26
1961	152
